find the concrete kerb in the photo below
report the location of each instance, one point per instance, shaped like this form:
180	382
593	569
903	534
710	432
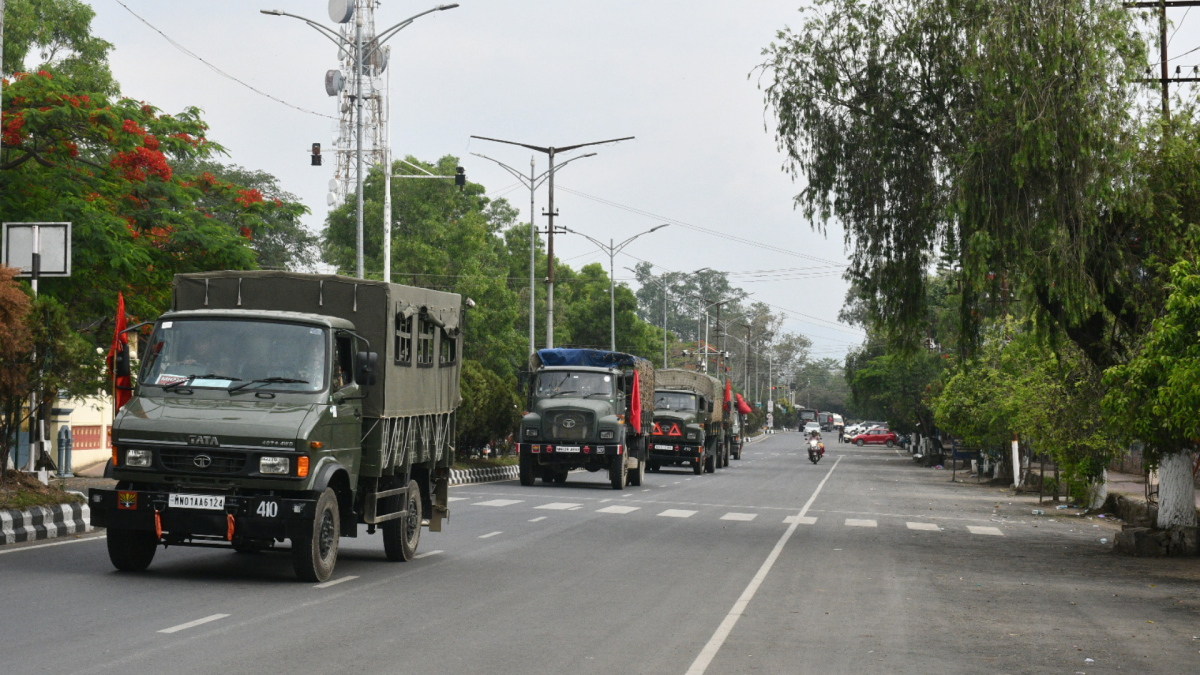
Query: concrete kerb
44	522
488	475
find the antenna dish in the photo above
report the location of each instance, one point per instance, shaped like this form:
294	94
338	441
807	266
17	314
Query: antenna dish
333	82
341	11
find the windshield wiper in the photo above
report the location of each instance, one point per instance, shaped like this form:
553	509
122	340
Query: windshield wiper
267	380
561	393
209	376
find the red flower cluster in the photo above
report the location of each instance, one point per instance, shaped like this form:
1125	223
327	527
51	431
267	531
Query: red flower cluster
245	232
11	129
135	163
248	197
131	127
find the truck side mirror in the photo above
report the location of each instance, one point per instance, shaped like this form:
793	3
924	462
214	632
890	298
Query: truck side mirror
367	361
121	362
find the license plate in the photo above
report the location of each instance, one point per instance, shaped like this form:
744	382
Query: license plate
209	502
664	447
567	448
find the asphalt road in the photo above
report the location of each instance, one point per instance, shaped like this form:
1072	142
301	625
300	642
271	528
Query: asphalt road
864	563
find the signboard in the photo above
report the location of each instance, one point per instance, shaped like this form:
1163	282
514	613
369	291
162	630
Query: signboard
54	244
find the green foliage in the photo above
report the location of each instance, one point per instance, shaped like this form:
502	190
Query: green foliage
1155	395
490	407
60	32
893	386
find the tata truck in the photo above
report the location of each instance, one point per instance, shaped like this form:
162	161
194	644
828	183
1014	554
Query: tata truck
588	409
689	422
275	406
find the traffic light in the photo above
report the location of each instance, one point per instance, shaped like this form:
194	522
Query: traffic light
316	154
460	177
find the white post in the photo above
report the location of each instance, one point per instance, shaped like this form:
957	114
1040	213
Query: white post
1016	461
387	183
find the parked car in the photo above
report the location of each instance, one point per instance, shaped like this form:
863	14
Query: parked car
875	436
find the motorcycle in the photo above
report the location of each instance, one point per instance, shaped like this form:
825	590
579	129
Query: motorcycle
816	450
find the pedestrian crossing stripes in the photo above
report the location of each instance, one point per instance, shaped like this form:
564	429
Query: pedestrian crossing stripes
618	509
929	527
560	506
977	529
803	520
861	522
743	517
678	513
499	502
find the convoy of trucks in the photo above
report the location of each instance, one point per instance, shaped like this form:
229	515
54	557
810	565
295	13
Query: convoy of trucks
276	406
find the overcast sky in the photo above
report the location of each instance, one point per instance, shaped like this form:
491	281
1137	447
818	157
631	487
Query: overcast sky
673	73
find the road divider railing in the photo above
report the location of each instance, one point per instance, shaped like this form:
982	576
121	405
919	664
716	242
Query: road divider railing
488	475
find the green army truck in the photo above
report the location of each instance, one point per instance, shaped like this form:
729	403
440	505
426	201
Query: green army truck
689	422
587	410
276	406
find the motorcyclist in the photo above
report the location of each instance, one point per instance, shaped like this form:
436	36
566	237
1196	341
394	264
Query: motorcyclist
815	435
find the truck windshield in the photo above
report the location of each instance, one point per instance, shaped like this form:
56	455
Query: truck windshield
567	384
216	354
669	400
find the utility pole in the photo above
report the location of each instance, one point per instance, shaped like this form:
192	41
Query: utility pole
533	182
1164	78
550	213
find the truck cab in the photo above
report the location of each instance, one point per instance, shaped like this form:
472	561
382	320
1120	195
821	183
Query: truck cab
681	430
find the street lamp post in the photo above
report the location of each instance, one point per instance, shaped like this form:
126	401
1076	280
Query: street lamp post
359	61
550	213
533	183
612	250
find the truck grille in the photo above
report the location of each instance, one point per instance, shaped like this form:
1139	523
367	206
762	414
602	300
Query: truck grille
184	461
570	425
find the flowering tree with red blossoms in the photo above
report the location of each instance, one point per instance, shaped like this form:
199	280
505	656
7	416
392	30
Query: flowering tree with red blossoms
112	168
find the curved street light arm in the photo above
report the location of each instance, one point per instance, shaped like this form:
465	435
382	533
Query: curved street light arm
388	33
519	176
546	174
618	247
333	35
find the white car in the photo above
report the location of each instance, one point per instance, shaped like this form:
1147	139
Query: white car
811	427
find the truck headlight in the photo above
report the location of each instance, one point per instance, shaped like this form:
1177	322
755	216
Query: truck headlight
278	465
530	432
607	435
691	436
140	458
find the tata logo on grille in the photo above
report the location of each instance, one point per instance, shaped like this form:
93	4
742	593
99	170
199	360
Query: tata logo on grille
202	461
209	441
568	423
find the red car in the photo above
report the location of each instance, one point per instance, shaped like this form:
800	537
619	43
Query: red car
875	437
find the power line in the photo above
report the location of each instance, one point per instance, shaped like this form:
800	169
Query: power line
217	70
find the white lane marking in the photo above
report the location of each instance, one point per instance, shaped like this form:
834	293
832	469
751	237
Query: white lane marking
675	483
618	509
56	543
714	644
861	522
490	534
334	582
193	624
456	499
744	517
678	513
534	520
646	490
426	555
558	506
801	520
994	531
929	527
499	502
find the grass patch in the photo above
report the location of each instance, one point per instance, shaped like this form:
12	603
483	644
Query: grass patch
21	491
480	463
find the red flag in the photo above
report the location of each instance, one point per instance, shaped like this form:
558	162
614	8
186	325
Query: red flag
122	386
728	396
742	406
635	415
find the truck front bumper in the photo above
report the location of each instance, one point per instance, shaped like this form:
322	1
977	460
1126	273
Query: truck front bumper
576	454
249	517
670	452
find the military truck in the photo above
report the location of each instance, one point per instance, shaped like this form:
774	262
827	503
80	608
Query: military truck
689	422
586	411
275	405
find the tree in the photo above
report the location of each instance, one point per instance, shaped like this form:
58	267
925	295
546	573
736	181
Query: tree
1156	397
15	342
60	31
490	406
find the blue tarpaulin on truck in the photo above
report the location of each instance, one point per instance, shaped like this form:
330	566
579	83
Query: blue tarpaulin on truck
596	358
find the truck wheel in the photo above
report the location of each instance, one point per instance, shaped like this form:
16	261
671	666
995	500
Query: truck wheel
698	466
710	464
725	457
131	550
315	552
617	473
738	454
561	476
526	469
635	478
401	536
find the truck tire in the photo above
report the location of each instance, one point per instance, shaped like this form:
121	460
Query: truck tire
617	473
560	476
710	464
402	535
636	476
698	466
738	456
526	469
725	457
131	550
314	553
